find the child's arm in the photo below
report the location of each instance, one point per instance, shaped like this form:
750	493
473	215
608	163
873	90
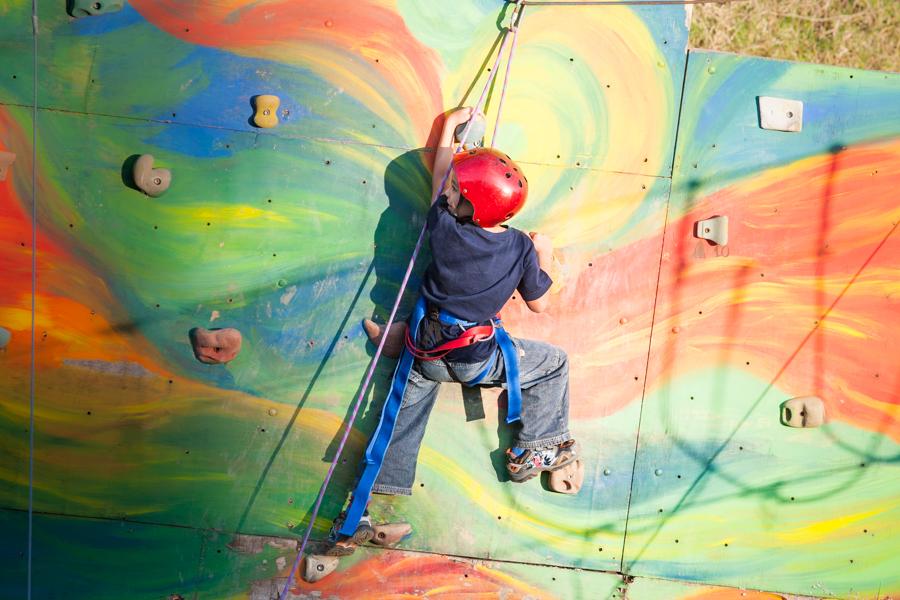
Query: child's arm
445	148
543	245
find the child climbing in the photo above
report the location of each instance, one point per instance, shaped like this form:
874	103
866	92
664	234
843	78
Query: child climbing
454	335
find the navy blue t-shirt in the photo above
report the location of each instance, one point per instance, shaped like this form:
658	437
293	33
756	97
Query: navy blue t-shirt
474	272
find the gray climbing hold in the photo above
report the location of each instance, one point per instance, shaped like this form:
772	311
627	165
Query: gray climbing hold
316	567
475	138
805	412
153	182
92	8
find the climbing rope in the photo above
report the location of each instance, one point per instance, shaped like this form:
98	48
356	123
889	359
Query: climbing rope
514	27
515	19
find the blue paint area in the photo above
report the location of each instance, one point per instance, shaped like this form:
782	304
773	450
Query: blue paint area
721	118
101	24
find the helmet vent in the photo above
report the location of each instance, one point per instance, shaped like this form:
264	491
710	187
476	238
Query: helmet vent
471	152
508	175
520	183
508	216
501	160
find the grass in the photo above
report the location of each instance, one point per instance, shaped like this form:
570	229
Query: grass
864	34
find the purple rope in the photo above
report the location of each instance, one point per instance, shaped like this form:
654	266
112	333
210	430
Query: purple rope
406	276
514	27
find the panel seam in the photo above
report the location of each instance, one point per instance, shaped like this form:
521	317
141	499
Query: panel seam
653	317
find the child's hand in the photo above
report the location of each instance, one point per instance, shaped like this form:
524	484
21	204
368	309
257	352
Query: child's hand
542	243
459	116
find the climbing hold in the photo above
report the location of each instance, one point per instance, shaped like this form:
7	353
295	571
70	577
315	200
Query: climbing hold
215	346
657	472
389	534
714	229
266	110
153	182
607	472
804	411
317	566
711	70
623	321
676	329
475	138
780	114
569	479
6	160
393	346
92	8
5	336
272	412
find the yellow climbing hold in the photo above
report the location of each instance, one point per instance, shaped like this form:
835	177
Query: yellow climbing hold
266	111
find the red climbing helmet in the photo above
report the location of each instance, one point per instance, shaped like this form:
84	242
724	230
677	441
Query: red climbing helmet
492	183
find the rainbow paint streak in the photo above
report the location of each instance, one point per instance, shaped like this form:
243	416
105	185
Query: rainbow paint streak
295	234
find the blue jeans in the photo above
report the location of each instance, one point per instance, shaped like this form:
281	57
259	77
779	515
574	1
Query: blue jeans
544	373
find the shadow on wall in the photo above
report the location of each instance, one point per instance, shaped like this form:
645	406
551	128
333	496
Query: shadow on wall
706	455
407	184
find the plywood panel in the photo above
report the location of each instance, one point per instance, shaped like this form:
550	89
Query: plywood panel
796	304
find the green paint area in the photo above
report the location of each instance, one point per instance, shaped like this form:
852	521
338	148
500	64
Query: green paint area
723	491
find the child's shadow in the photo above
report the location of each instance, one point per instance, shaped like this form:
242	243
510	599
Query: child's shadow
407	185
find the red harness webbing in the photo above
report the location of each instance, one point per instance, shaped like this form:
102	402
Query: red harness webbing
470	336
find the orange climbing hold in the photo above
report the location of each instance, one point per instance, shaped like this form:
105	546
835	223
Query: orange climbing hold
216	346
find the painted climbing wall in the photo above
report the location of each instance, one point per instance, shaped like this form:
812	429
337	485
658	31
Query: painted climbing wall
158	476
801	301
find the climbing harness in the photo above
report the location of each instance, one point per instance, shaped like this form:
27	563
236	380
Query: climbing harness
381	438
515	21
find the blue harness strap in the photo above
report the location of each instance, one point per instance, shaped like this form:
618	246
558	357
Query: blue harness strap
381	438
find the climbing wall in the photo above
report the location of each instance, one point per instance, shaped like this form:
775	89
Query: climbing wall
801	301
158	476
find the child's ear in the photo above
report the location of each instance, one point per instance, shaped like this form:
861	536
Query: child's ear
465	208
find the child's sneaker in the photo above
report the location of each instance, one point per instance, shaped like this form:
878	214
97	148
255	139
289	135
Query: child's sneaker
342	545
525	463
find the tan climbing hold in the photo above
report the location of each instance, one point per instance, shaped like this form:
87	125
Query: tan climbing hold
266	111
393	346
805	411
6	160
389	534
215	346
153	182
316	567
569	479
